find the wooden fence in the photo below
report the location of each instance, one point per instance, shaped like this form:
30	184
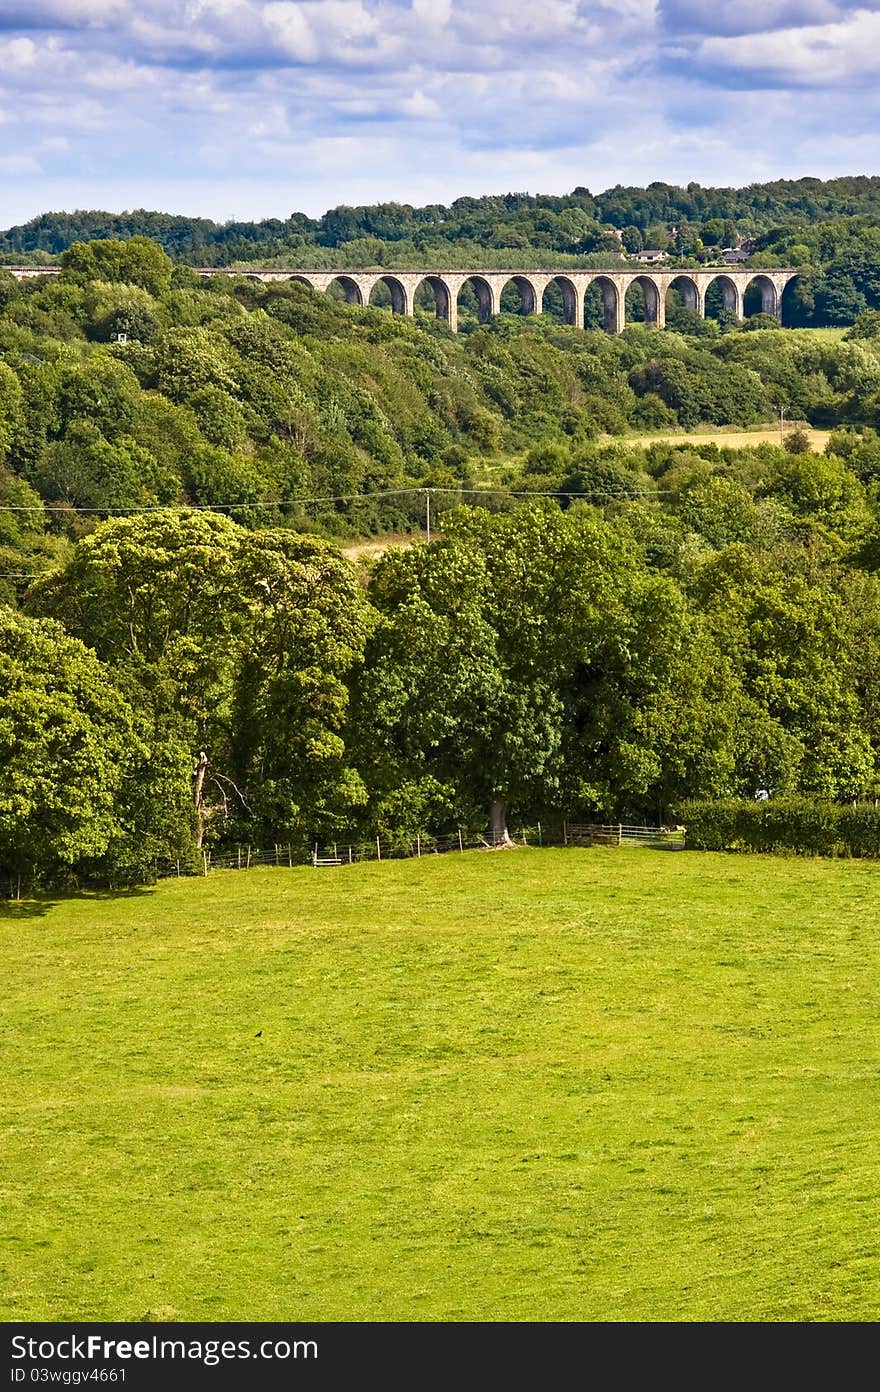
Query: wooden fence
619	834
352	852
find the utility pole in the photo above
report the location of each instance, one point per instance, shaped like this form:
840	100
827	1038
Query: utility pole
781	425
428	512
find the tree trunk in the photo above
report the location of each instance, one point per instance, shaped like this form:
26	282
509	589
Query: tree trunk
198	783
498	824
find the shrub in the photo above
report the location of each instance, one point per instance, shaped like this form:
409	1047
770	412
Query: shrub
799	826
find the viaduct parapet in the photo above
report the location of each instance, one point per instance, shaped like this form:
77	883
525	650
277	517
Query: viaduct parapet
531	286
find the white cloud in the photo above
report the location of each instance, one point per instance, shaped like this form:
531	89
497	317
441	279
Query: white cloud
329	101
289	26
17	55
815	55
433	13
420	107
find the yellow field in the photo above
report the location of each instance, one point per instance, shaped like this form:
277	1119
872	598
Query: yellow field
738	439
360	551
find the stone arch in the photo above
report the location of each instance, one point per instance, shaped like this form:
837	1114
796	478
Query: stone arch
686	288
351	291
730	291
651	298
529	301
301	280
397	291
769	298
487	305
572	306
612	307
443	298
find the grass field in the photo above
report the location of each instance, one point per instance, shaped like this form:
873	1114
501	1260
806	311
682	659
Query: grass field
736	439
560	1084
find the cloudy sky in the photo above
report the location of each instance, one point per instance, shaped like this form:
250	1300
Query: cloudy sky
252	108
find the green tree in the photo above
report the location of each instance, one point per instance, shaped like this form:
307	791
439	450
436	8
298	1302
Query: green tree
516	663
787	637
67	745
237	643
307	628
136	261
88	471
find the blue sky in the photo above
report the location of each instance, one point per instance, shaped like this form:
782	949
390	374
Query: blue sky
253	108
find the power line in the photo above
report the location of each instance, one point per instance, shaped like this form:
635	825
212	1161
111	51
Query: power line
594	495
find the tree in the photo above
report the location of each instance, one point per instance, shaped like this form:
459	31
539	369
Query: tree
516	663
632	238
12	423
67	747
867	325
155	597
137	261
797	442
238	643
307	628
86	470
788	640
114	309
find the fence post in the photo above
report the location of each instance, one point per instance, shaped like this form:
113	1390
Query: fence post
540	837
178	869
460	842
378	850
564	832
239	857
524	837
418	845
248	866
349	855
289	856
619	834
205	862
276	852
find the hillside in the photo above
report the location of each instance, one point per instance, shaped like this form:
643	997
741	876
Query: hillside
610	623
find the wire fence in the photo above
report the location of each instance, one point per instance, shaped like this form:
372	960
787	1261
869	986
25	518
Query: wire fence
353	851
356	850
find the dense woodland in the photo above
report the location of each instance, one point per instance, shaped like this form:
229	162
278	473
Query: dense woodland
602	627
829	229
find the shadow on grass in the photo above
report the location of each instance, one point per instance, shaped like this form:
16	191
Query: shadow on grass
40	906
26	908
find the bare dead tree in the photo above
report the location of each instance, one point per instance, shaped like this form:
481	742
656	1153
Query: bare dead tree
198	787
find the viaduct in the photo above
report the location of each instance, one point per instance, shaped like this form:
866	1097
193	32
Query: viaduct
446	286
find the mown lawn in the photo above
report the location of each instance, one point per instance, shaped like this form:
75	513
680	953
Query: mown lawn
538	1085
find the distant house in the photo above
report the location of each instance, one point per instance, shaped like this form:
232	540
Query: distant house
732	255
648	258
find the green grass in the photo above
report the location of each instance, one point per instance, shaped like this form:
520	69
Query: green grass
574	1085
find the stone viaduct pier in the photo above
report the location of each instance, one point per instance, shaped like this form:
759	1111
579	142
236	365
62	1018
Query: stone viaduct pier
530	287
